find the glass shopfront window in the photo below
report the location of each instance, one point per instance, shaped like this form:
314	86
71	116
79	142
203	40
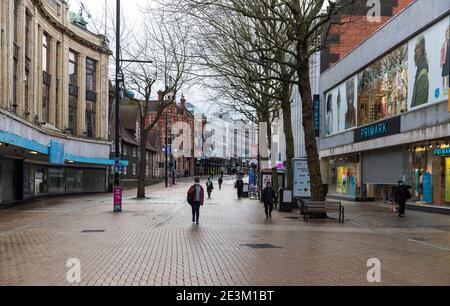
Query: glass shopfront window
74	180
383	88
431	173
40	180
344	176
28	180
95	180
56	180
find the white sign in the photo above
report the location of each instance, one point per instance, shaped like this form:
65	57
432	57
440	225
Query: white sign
302	184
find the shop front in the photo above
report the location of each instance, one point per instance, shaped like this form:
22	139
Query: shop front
344	177
430	173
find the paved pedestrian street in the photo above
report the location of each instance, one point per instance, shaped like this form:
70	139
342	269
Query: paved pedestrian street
153	242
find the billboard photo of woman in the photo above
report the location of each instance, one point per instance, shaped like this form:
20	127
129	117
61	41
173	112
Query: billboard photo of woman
350	115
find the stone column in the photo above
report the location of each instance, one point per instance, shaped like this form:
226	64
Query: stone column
4	4
64	84
102	98
20	100
53	72
81	110
38	88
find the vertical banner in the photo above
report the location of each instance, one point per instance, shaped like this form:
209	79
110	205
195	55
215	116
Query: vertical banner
118	191
316	114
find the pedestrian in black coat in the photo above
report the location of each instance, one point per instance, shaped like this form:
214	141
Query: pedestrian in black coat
240	187
403	194
268	197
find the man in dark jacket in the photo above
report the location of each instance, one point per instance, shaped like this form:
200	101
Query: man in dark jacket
196	195
268	197
403	194
240	187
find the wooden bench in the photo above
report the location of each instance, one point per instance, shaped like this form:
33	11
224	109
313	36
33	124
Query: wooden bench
323	207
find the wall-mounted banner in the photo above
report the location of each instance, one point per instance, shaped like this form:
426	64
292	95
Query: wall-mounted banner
380	129
429	62
57	154
316	114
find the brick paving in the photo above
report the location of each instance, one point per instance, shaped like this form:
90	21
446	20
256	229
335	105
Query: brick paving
154	243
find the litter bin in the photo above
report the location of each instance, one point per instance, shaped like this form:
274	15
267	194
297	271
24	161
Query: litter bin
285	200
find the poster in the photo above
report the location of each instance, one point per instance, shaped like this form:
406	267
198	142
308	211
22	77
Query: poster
427	188
341	107
302	183
428	65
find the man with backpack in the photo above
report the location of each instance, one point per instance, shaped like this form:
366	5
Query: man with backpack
196	198
268	197
239	185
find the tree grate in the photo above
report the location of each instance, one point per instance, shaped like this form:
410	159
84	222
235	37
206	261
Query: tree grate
93	231
261	246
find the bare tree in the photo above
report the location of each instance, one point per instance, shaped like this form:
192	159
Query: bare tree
293	30
167	43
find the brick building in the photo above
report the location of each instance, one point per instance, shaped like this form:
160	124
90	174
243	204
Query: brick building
352	27
177	117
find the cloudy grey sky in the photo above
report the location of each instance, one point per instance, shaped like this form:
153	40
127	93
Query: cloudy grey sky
132	14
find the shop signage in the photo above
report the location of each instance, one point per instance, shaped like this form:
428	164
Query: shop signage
57	154
441	152
316	114
377	130
302	183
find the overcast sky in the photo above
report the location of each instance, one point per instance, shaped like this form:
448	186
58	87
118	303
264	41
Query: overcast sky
132	14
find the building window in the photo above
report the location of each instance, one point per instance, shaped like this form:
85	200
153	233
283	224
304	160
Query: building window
46	77
383	88
91	97
134	169
73	92
134	151
91	68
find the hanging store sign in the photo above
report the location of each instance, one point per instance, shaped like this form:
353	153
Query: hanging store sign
377	130
316	114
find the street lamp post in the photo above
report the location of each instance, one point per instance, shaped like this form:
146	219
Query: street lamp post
117	190
166	152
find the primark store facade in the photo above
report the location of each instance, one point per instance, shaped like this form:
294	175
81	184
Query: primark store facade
385	113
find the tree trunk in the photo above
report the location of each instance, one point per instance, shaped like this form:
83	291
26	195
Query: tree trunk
317	188
142	161
275	183
289	136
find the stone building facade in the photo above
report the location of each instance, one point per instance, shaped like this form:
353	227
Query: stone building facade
53	101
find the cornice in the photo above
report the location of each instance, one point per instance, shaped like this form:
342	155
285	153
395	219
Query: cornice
71	34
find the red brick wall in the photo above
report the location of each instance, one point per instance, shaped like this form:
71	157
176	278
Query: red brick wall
352	31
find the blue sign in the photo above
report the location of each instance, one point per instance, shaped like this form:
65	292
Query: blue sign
441	152
57	155
316	114
427	188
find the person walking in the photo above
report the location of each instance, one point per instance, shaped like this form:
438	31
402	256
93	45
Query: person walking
403	194
209	187
220	181
239	186
268	197
196	197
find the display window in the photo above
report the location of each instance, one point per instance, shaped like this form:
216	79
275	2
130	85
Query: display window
344	177
431	173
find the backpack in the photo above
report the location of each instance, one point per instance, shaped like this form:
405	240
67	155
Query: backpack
190	197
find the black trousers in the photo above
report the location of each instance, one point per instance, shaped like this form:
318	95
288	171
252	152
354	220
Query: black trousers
195	211
401	207
268	208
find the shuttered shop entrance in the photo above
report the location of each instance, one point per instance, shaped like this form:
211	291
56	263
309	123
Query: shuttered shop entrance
384	167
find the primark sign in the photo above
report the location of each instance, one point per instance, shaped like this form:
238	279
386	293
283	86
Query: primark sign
377	130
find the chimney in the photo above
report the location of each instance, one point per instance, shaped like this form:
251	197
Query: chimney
183	102
160	95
